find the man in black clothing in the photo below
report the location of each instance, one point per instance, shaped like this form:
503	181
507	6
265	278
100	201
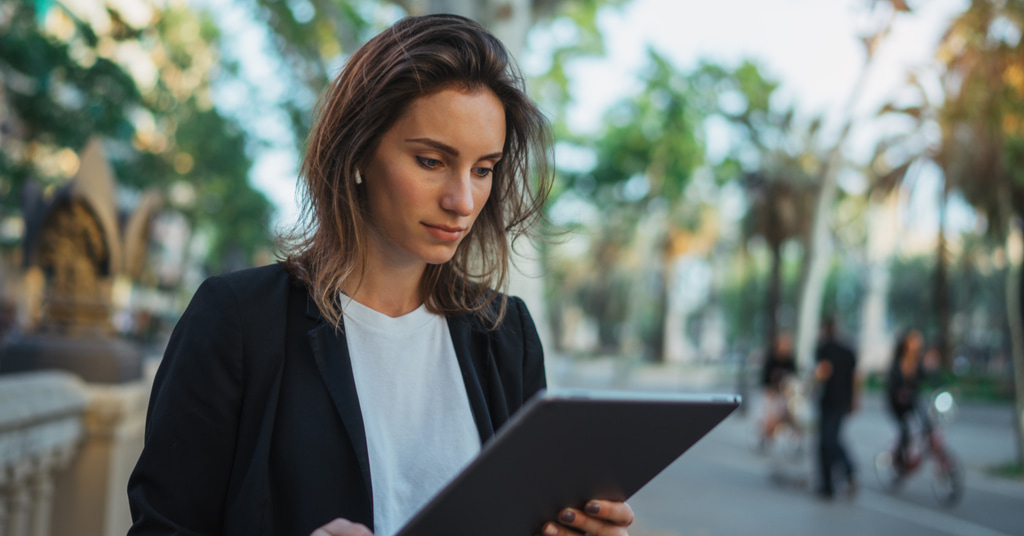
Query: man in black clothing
836	373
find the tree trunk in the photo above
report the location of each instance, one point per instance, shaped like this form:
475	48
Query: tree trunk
819	245
817	257
1015	319
661	302
874	344
941	286
774	296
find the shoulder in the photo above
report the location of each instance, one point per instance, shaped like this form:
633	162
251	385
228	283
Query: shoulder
267	276
847	350
251	293
250	284
506	319
515	317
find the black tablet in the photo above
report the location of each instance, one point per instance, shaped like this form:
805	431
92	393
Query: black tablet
562	449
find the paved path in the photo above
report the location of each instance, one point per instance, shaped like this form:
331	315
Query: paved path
724	487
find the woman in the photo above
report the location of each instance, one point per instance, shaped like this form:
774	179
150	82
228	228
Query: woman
337	391
904	383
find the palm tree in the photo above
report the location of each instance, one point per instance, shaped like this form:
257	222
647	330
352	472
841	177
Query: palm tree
982	146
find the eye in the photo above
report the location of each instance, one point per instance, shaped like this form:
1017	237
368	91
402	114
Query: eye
429	163
483	172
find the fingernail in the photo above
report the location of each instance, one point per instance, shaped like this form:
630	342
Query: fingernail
568	516
550	530
593	508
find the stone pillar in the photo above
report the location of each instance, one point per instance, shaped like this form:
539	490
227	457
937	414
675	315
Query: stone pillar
40	428
91	496
40	486
3	512
19	501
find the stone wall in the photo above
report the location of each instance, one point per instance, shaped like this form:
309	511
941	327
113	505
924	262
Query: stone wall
41	428
66	450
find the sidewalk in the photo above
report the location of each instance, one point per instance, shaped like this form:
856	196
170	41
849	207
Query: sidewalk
723	476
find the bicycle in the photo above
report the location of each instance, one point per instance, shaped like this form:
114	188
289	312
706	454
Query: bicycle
926	445
788	411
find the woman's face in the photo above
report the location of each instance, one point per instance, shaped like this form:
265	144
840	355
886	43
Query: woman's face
914	343
431	174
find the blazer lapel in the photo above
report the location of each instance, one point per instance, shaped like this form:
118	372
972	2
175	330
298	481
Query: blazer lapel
472	349
330	350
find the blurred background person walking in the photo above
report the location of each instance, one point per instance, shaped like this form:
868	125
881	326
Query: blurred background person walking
839	390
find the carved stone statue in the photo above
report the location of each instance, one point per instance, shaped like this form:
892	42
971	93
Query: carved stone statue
75	258
75	243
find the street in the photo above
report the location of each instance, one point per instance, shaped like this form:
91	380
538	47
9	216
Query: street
724	486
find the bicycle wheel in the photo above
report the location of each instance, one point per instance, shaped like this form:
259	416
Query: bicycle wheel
947	478
888	475
789	441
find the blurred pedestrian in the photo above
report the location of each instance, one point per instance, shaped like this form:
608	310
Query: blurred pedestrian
835	372
779	366
906	373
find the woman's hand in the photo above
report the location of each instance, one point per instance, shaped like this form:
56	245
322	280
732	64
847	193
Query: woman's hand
342	527
598	518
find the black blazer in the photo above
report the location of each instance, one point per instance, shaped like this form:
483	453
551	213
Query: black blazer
254	426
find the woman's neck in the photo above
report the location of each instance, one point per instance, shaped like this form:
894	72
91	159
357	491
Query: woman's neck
389	289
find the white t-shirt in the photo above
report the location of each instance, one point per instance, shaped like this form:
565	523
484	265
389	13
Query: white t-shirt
420	430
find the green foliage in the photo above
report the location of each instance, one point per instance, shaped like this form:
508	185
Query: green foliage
1012	470
584	40
59	92
314	38
741	297
777	161
977	296
982	147
56	99
652	138
313	42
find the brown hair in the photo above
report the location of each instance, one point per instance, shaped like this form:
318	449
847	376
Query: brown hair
416	57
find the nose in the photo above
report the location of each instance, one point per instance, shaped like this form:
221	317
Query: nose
458	194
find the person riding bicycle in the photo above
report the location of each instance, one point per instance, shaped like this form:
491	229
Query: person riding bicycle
906	374
779	364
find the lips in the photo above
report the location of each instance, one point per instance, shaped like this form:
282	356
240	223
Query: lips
445	233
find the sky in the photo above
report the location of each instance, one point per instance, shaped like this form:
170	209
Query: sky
810	46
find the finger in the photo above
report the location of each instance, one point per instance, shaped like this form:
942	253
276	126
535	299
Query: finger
592	526
554	529
342	527
615	512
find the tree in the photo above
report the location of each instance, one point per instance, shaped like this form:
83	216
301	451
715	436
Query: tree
774	157
645	156
982	147
142	83
315	37
818	253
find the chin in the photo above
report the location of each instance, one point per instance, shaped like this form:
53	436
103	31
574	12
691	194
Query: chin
439	255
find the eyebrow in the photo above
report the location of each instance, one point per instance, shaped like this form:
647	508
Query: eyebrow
452	151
